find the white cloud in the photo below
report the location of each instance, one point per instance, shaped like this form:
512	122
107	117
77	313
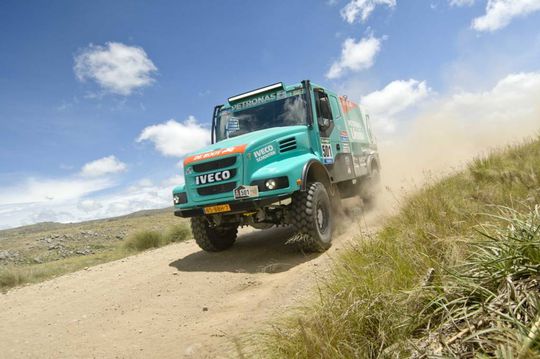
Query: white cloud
176	139
362	9
49	190
460	3
116	67
394	98
103	166
355	56
89	205
513	99
499	13
83	204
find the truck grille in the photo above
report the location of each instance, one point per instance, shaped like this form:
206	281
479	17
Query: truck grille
287	144
217	189
214	165
204	189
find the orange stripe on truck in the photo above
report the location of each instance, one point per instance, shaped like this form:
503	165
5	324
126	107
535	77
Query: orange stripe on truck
215	153
347	105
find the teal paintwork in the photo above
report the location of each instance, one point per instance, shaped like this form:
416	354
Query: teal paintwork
351	137
288	164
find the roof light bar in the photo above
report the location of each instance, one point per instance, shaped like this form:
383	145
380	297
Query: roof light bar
256	92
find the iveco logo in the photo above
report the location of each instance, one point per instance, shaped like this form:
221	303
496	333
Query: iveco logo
213	177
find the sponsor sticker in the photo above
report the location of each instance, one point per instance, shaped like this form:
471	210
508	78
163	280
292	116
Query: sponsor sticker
269	97
357	132
215	153
326	148
345	148
233	124
344	136
264	153
246	192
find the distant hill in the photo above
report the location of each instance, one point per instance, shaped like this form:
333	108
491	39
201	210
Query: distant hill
50	226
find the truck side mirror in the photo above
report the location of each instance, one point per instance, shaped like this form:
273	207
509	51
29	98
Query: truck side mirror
324	113
324	123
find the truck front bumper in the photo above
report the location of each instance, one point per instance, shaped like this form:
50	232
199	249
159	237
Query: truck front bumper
236	206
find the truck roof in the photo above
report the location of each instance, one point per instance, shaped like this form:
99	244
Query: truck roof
262	90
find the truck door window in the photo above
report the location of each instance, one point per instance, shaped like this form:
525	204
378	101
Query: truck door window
335	107
324	113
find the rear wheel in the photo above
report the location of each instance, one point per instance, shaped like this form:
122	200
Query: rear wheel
213	239
312	217
371	187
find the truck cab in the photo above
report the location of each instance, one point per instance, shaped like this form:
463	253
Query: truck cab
281	154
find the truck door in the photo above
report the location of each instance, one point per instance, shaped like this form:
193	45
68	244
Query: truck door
325	122
335	147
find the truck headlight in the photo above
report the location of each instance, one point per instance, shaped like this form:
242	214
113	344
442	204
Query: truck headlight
270	184
180	198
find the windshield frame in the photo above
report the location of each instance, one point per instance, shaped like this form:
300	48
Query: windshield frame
218	134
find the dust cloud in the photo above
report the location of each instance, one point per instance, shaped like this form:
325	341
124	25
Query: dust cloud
439	143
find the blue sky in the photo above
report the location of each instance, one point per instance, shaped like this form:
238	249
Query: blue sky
100	100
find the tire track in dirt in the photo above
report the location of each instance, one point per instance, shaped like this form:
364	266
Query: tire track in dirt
172	302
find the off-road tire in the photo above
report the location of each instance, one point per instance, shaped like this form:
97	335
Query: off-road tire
212	239
306	207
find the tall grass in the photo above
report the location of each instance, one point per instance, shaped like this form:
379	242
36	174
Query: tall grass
489	304
178	233
147	239
144	240
375	305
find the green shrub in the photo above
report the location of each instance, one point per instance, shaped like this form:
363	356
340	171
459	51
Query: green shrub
11	277
178	233
144	240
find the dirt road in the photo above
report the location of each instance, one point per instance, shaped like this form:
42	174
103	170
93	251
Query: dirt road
172	302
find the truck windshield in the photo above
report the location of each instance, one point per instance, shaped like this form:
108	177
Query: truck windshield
240	119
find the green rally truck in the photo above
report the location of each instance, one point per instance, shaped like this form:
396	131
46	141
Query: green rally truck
280	155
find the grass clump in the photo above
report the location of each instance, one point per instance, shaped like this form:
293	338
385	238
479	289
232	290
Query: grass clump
389	294
143	240
178	233
11	276
489	304
147	239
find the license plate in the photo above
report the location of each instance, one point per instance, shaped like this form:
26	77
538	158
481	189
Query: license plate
246	192
217	209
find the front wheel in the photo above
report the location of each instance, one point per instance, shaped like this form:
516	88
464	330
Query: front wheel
312	217
213	239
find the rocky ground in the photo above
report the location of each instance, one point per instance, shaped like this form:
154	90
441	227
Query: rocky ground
47	242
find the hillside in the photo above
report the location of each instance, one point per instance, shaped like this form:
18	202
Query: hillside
40	251
454	274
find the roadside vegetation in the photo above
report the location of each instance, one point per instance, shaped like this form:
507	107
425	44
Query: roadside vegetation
456	273
32	255
147	239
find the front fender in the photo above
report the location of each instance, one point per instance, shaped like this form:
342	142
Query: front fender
179	188
291	167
